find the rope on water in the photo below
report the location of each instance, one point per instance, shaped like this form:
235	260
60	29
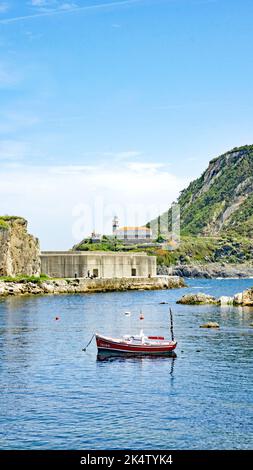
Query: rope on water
84	349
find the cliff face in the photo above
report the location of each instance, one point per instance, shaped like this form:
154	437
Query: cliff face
220	202
19	251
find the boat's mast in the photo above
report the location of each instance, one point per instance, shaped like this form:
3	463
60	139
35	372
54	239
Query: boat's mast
171	325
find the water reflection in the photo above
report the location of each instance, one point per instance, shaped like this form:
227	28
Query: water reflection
101	357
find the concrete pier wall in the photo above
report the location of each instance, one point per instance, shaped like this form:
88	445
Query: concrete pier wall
103	265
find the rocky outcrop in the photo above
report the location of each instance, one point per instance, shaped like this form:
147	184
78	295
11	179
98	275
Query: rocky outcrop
19	251
243	299
72	286
208	271
210	324
198	299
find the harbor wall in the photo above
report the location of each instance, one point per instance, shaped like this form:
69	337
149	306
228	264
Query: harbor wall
102	265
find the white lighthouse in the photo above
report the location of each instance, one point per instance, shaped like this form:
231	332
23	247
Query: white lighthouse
115	224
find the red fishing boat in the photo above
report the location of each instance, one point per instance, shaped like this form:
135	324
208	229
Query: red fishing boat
135	345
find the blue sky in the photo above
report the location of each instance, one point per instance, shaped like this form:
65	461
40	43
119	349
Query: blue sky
114	106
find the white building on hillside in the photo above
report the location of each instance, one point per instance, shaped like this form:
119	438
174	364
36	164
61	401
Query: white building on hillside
131	233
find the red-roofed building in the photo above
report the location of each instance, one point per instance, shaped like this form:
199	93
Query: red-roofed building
133	233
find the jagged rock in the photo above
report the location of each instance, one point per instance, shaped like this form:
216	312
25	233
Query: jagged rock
19	251
198	299
244	298
15	289
210	324
2	290
238	299
47	288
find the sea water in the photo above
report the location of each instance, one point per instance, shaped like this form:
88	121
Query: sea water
55	396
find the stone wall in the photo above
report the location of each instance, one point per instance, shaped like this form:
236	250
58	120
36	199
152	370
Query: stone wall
101	264
19	251
82	286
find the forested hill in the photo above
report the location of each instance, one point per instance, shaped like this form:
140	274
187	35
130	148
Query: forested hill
220	202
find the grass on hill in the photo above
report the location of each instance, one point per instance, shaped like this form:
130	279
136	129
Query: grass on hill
202	250
191	250
4	219
22	278
106	244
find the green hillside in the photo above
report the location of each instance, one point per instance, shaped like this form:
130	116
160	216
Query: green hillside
216	213
220	202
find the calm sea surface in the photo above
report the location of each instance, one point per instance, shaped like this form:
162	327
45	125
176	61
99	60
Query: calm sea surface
54	396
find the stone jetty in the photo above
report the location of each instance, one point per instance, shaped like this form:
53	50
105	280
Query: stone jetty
82	285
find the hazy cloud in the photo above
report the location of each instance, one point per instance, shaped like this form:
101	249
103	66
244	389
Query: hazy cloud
65	7
12	121
4	6
12	150
125	155
94	193
7	76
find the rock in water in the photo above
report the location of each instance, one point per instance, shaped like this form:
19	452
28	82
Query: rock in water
198	299
210	324
245	298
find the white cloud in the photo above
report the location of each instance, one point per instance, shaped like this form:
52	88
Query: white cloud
4	7
68	6
126	155
53	4
72	169
149	166
39	3
64	204
7	76
12	150
12	121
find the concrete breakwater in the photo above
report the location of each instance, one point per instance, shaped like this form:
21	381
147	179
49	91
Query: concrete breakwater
81	285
